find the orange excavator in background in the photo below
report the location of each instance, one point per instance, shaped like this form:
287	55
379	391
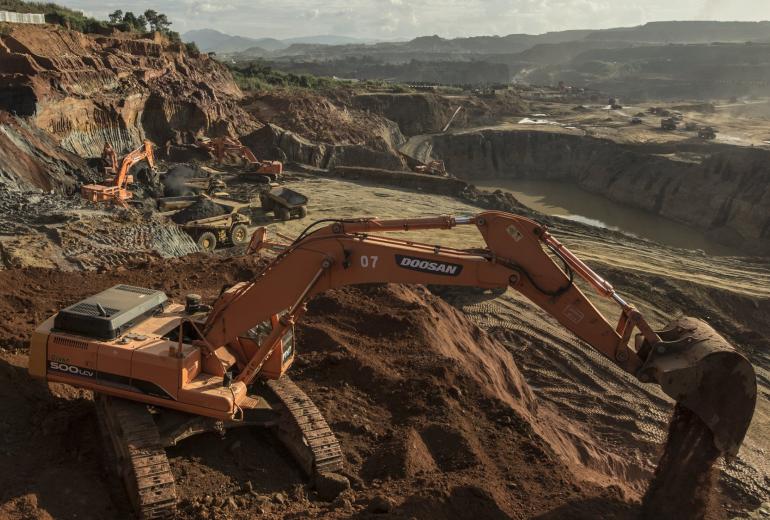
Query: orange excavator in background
432	168
204	368
219	147
115	188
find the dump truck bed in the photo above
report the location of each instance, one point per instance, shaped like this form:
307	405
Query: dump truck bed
286	197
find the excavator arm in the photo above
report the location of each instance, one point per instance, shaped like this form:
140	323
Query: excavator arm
219	146
142	153
686	361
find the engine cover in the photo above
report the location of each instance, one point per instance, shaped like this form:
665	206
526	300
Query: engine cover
108	314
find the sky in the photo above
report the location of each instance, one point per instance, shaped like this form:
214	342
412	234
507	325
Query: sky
406	19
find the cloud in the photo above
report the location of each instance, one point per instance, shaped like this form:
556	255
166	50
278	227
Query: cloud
208	7
409	18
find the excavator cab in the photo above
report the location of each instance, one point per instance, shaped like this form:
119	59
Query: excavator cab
282	356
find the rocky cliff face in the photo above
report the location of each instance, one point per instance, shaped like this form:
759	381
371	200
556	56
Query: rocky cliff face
274	142
414	113
726	193
322	129
426	113
30	157
86	90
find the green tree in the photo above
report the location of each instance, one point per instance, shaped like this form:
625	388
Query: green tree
116	17
162	23
158	21
129	20
151	16
192	49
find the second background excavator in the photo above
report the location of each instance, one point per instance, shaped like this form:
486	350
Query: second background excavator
115	189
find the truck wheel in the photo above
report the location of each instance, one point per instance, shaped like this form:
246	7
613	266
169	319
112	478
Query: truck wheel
284	213
207	241
239	235
302	212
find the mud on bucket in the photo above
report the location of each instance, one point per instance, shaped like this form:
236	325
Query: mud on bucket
699	369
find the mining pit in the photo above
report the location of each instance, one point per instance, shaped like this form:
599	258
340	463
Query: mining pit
448	402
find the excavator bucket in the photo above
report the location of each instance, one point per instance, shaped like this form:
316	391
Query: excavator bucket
700	370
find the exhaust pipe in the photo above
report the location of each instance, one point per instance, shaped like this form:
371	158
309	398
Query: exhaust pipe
699	369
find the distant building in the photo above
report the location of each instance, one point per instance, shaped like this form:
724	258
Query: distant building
8	16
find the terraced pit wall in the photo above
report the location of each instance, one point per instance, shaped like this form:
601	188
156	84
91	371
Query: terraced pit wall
724	192
86	90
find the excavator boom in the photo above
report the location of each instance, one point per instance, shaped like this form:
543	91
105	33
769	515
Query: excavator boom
218	147
143	153
691	364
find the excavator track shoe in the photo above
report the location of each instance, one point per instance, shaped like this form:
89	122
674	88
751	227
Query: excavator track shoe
699	369
304	431
139	456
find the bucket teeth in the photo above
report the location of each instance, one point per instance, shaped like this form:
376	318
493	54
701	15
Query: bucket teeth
699	369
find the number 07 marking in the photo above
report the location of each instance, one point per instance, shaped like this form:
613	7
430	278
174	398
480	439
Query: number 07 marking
369	261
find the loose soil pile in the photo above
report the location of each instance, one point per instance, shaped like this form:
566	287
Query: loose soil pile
204	208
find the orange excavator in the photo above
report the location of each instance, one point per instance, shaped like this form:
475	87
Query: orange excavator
203	368
219	147
116	187
432	168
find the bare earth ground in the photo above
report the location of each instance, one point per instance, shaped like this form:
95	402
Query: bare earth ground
426	424
738	124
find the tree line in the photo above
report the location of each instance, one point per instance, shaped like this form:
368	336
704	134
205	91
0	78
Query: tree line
128	21
149	21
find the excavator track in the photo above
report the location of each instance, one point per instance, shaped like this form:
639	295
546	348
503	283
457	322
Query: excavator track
139	456
304	431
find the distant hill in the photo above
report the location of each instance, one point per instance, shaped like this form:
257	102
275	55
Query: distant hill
695	31
210	40
327	39
657	59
